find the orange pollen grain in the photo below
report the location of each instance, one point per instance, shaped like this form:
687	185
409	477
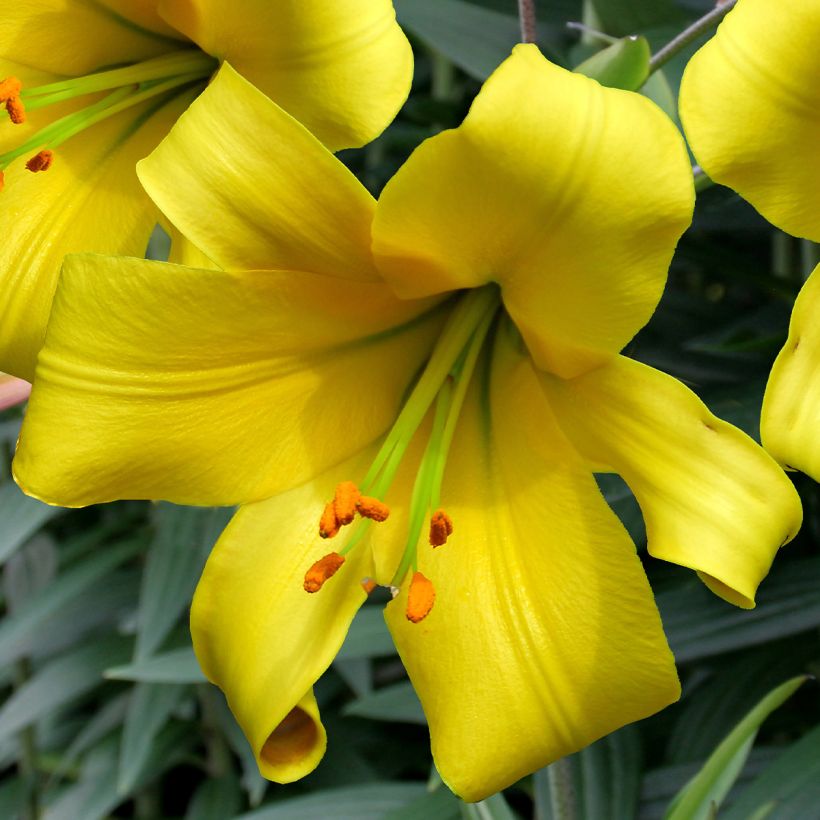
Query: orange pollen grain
372	508
420	598
368	585
16	110
441	526
41	161
344	500
329	525
323	569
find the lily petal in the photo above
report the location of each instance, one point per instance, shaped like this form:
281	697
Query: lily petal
342	68
264	640
73	37
236	370
569	195
713	500
254	189
750	105
47	215
544	635
790	417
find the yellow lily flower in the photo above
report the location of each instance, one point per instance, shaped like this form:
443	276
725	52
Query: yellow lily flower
90	88
750	104
427	381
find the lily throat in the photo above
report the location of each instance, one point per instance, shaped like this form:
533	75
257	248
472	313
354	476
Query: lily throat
442	388
110	92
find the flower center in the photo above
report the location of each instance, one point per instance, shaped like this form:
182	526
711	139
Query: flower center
159	78
443	385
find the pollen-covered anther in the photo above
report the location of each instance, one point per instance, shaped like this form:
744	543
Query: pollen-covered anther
368	585
420	598
10	87
344	501
40	161
2	180
441	527
329	525
326	567
16	110
372	508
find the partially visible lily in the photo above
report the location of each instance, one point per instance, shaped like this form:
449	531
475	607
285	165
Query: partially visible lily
750	104
413	393
90	88
12	391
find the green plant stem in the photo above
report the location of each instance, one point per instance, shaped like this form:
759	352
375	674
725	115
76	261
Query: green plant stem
28	751
526	14
689	35
562	790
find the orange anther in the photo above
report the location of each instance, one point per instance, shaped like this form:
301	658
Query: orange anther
2	180
10	87
344	500
368	585
372	508
328	524
323	569
441	526
420	598
16	110
41	161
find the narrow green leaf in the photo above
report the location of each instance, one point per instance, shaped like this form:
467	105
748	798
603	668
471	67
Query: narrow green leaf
787	788
60	681
21	516
622	17
440	804
216	799
16	632
398	702
476	39
150	708
183	538
624	64
711	784
369	801
175	666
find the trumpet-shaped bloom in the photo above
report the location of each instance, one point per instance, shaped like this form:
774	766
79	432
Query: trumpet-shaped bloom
750	103
90	88
412	393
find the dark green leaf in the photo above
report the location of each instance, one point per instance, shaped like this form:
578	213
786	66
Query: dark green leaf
175	666
21	516
398	702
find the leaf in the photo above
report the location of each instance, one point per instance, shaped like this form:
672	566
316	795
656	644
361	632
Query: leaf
149	709
622	17
398	702
21	516
704	793
623	64
699	625
477	40
368	636
174	666
658	89
59	682
440	804
16	632
787	789
369	801
493	808
183	538
216	799
604	779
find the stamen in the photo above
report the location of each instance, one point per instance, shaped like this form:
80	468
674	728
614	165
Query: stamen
420	598
344	501
41	161
329	525
441	526
2	180
372	508
16	110
368	585
10	87
323	569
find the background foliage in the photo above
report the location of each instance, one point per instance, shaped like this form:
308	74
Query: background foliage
105	712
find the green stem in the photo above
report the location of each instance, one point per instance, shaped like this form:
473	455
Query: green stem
562	790
702	181
526	14
689	35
